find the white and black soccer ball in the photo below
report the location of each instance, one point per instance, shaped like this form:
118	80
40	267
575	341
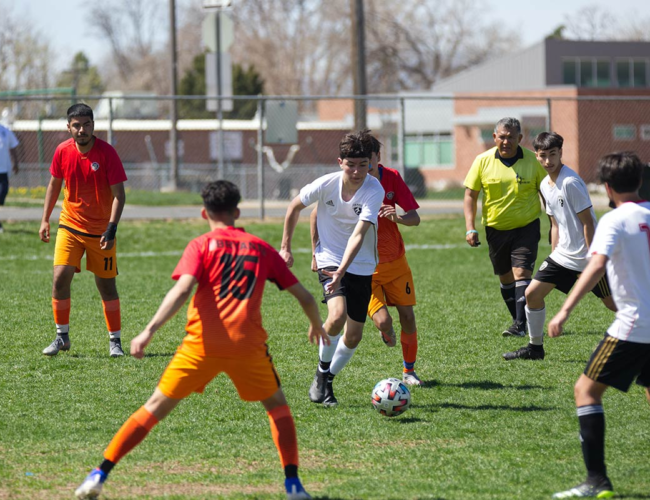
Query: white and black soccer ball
391	397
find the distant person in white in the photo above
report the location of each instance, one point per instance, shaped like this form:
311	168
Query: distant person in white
8	155
346	253
573	223
621	247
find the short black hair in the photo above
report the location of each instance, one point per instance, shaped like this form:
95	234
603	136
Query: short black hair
220	196
509	123
548	140
622	171
356	145
78	110
376	145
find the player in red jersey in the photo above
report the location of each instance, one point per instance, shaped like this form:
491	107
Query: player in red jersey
392	281
224	334
94	198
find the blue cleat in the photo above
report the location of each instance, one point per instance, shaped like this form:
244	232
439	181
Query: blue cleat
92	485
294	488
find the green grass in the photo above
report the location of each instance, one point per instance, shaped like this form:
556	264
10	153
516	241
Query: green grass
481	428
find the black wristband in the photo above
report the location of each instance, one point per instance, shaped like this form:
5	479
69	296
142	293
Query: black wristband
111	229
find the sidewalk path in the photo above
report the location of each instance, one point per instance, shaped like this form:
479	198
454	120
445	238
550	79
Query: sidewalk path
249	209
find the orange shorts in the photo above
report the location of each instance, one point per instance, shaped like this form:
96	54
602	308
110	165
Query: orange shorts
254	377
392	285
70	248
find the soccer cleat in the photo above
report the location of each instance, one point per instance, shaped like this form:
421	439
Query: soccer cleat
515	330
92	485
411	378
586	490
294	488
318	386
526	352
57	345
330	400
390	339
116	348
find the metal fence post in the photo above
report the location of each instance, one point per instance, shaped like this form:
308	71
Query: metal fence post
260	155
548	114
110	122
401	138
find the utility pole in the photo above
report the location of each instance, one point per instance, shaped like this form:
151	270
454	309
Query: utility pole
173	115
359	64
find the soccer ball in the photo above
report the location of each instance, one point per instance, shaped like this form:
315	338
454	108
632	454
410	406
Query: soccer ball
391	397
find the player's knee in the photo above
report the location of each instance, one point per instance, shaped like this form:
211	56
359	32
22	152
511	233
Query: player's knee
383	323
337	320
407	320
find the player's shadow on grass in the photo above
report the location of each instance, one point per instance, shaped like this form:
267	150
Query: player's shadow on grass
486	385
456	406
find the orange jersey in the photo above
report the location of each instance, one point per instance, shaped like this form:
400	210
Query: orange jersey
88	179
224	318
390	244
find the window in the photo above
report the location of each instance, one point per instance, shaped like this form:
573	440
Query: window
486	135
570	72
632	73
587	72
645	132
602	74
624	132
429	151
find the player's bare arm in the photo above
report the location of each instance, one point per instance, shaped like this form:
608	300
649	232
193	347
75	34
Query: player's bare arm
170	305
588	225
470	203
119	199
351	251
290	222
310	308
410	218
313	231
51	196
592	274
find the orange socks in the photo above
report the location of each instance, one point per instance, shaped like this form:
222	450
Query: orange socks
134	430
409	349
283	431
113	316
61	311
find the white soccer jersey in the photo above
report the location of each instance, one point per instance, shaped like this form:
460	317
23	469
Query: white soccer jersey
564	201
623	235
337	219
7	141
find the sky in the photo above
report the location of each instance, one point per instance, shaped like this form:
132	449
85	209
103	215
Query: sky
62	21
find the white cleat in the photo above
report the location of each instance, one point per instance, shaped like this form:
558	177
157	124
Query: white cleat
92	486
411	378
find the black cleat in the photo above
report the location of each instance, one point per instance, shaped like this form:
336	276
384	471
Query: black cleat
517	329
318	387
330	400
526	352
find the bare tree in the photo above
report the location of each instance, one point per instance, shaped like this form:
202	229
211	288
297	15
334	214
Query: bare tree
25	56
591	23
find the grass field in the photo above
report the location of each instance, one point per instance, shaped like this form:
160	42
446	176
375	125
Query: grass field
481	428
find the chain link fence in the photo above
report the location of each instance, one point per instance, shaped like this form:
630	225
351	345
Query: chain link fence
272	146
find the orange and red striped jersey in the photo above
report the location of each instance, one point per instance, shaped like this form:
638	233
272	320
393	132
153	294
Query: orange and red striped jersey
231	266
88	179
390	244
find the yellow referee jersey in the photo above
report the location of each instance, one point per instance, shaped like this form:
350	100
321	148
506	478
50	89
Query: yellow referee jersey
510	194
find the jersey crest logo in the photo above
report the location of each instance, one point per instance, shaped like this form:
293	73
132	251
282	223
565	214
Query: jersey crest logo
390	195
543	266
561	201
329	203
357	208
95	166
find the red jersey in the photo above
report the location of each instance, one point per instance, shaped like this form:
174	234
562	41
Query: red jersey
390	244
224	318
88	179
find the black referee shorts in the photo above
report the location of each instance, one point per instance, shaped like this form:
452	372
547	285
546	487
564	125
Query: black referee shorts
513	247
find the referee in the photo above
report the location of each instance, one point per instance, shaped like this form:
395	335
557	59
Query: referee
509	176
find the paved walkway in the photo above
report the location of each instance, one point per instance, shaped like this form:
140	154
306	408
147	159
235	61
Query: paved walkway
250	210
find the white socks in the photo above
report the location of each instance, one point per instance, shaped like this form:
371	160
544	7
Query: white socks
341	358
326	352
536	318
